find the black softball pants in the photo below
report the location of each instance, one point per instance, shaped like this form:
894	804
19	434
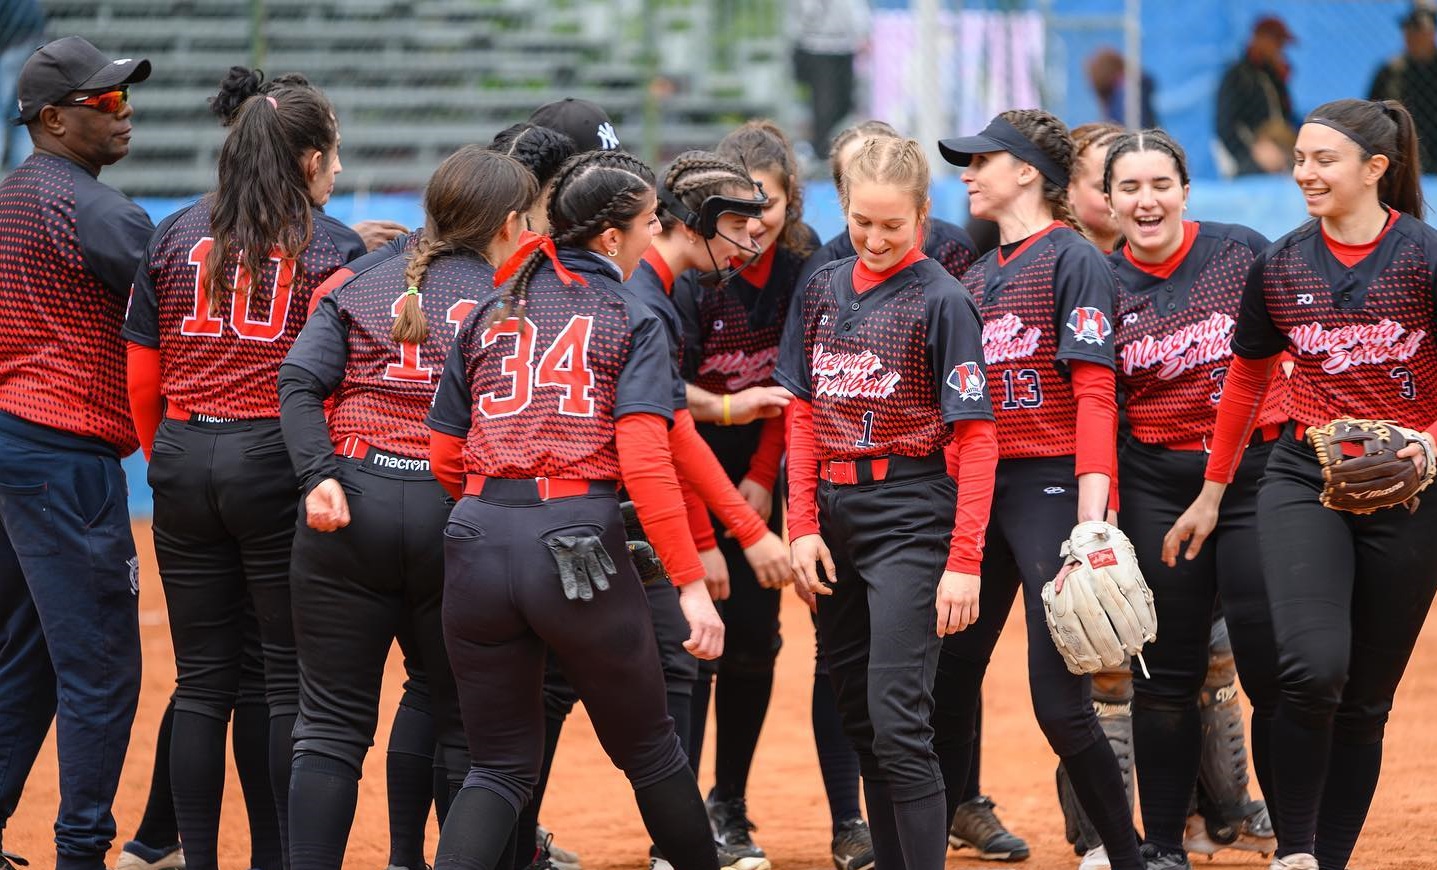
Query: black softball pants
889	541
503	606
1035	505
225	506
1349	595
741	680
1158	485
355	591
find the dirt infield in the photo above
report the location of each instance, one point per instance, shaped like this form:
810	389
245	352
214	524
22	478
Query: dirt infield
590	807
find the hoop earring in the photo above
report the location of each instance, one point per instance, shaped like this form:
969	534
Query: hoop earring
613	252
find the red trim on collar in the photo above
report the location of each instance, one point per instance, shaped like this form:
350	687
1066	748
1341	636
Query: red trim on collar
661	268
1167	267
865	279
1027	243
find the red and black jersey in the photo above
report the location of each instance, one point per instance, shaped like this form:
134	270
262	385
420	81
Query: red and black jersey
400	244
1360	337
227	365
653	284
731	333
381	390
69	247
1047	303
539	398
945	242
1174	335
887	371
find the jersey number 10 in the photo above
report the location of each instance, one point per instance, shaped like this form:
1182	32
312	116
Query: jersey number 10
270	327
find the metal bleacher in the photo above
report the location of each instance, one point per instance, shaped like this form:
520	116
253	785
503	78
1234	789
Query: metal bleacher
411	80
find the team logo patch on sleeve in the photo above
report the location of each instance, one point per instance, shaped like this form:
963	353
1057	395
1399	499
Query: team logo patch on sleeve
1089	325
967	378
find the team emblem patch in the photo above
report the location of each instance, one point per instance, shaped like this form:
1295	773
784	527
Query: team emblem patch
1089	325
967	378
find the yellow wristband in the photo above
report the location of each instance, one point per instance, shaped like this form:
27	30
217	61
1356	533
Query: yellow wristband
727	420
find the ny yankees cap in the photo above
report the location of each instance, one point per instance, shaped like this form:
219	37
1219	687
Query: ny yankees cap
1000	135
71	64
584	122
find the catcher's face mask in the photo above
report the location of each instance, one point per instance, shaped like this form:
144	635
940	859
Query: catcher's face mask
705	223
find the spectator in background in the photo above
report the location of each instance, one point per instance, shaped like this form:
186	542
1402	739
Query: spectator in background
830	35
22	29
1411	78
1254	107
1106	73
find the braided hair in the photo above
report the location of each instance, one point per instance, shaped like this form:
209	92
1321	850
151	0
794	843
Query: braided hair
763	146
870	129
593	191
262	201
694	176
468	200
1051	136
541	149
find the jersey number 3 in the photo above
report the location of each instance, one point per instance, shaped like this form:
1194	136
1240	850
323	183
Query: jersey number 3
565	365
268	328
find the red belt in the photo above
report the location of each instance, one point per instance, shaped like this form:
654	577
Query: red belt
845	471
352	447
1262	435
549	488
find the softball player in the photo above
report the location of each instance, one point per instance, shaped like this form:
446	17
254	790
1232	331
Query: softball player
890	410
730	346
1349	295
553	392
1047	302
365	567
1179	284
216	304
1085	189
718	200
975	823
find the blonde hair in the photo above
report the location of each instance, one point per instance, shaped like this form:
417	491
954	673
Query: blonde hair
894	162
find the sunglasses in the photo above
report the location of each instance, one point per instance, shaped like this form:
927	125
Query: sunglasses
108	102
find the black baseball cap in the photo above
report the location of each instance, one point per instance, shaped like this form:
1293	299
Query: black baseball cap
1000	135
584	122
1418	19
67	65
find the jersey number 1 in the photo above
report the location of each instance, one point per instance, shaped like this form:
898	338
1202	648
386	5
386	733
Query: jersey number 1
409	367
565	364
201	322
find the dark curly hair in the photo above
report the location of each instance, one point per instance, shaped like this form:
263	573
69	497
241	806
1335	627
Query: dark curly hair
1051	136
594	190
241	83
541	149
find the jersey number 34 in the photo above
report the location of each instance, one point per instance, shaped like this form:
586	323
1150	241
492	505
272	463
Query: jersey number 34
563	365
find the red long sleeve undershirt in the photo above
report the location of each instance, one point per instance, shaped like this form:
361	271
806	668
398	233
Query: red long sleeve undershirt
697	466
972	456
1243	392
649	477
1095	389
147	405
700	526
802	471
446	462
763	465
